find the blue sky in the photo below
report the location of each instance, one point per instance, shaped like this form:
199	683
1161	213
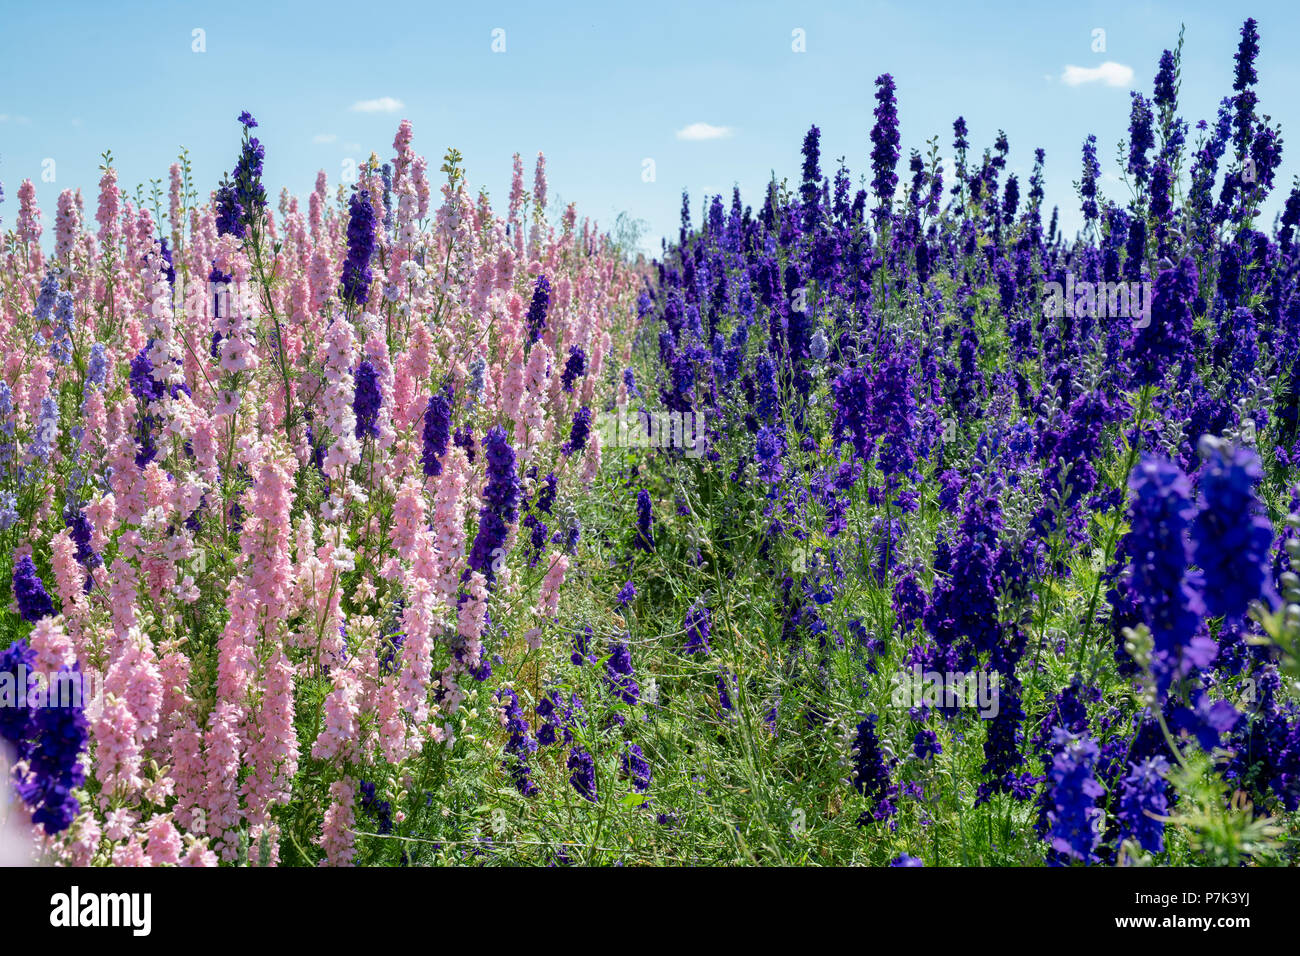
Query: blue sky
599	88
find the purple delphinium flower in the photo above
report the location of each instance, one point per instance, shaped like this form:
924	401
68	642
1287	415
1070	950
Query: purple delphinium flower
574	368
54	760
581	649
884	149
1072	794
16	716
1231	535
437	430
871	773
1168	593
644	540
926	745
229	213
520	744
582	773
29	592
618	671
500	503
1167	336
247	177
1140	136
1166	80
1088	184
1244	77
579	432
636	768
1141	800
366	400
893	415
626	594
852	396
537	308
354	284
81	531
698	625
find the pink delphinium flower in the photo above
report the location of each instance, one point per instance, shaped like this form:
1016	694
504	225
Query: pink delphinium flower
336	837
548	601
164	845
67	223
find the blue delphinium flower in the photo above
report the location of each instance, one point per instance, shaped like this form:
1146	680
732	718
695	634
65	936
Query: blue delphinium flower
47	429
1231	535
618	671
1167	336
582	775
582	653
29	591
437	431
871	773
636	768
520	744
852	423
382	809
500	503
1140	136
16	717
698	624
474	386
537	308
54	759
1088	184
767	401
579	433
366	400
626	594
893	415
8	510
574	368
249	191
1141	800
904	860
1244	77
1169	593
645	539
884	149
926	744
1073	815
768	449
1166	81
81	531
229	213
354	285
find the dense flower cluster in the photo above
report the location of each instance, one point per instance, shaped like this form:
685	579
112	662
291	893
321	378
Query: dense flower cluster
279	566
982	529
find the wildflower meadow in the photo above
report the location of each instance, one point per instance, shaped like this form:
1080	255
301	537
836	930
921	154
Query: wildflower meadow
871	520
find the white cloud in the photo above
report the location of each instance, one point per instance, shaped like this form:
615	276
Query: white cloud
698	131
6	117
1110	73
386	104
325	138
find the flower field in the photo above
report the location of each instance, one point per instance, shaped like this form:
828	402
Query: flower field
883	525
